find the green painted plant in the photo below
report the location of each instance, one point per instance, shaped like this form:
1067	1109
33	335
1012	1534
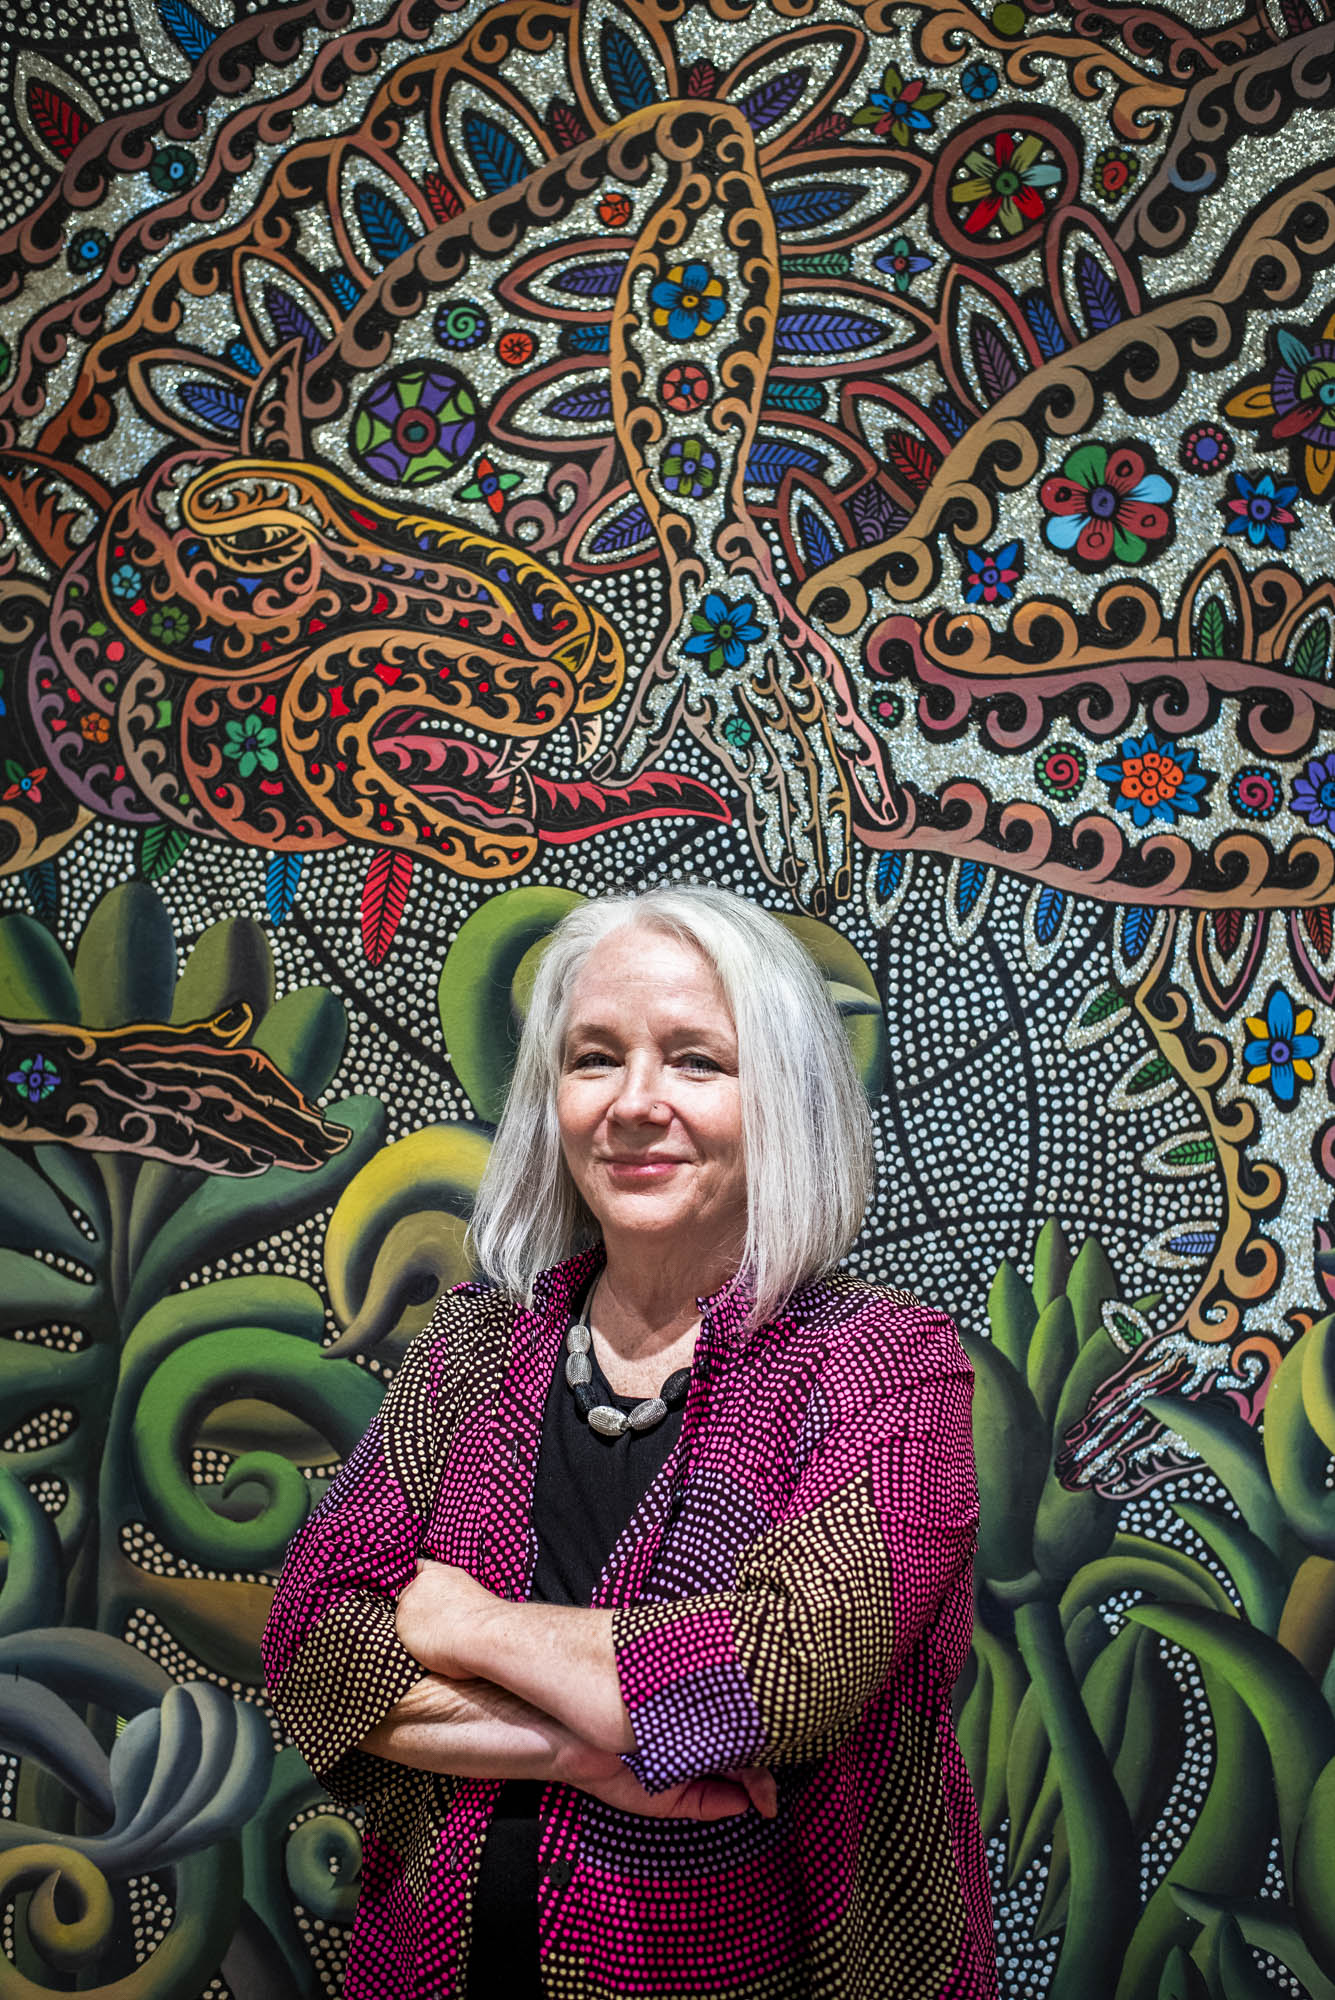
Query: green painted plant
112	1376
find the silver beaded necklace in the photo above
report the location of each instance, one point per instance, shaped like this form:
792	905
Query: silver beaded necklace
602	1417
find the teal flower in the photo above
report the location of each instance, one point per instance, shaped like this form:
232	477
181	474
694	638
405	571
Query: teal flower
173	169
738	731
250	745
126	582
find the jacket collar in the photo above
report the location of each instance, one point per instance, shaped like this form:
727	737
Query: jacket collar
722	1313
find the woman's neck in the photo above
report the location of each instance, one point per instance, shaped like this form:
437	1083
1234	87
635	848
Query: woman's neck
644	1306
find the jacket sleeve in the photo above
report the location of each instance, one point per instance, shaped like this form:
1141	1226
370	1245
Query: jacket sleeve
333	1663
832	1598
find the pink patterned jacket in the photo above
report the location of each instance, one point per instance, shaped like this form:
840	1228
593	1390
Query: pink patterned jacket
795	1591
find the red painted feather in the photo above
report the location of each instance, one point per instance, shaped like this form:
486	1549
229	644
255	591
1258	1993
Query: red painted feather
384	894
57	119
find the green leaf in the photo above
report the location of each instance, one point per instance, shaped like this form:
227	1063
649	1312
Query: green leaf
36	983
305	1033
231	965
477	1014
1156	1069
1180	1979
1012	1446
1191	1153
337	1398
1296	1452
35	1294
1311	655
1052	1263
1052	1350
1212	632
1234	1453
1252	1569
1298	1727
1103	1007
1314	1871
34	1573
1011	1313
160	848
1092	1281
32	1215
125	966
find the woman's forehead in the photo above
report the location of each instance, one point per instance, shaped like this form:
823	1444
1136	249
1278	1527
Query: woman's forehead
639	971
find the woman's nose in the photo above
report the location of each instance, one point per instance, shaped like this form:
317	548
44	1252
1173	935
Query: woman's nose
639	1097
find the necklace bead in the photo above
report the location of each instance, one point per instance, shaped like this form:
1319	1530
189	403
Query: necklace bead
601	1417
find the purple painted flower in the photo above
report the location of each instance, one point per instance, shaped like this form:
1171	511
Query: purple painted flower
1313	795
35	1078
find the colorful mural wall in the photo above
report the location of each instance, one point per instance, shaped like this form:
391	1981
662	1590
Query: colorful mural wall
876	454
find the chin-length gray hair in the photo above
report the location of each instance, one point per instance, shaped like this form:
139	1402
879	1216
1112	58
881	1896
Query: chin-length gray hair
806	1128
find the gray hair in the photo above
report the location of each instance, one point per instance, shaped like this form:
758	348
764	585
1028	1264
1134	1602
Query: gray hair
806	1127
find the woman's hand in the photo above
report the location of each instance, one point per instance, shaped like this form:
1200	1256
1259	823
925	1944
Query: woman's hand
434	1615
699	1798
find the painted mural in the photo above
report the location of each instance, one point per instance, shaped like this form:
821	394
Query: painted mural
878	455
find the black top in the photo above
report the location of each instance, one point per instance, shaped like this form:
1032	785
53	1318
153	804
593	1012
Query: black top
585	1491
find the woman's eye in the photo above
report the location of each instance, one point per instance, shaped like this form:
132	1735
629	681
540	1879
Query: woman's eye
591	1059
699	1062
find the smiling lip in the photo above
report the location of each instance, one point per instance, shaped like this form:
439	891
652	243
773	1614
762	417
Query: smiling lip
641	1169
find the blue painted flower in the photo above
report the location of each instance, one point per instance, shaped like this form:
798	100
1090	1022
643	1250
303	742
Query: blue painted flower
738	731
688	301
1313	795
1153	780
126	581
1261	510
35	1078
980	81
992	579
1281	1049
722	633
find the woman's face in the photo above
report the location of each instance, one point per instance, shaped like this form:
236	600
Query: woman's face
648	1103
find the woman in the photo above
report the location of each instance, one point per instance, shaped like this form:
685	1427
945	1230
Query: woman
633	1618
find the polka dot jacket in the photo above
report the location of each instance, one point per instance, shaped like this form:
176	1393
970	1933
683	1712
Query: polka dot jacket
794	1590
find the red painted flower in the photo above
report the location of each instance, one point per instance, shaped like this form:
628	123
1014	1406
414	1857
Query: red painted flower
23	784
1106	505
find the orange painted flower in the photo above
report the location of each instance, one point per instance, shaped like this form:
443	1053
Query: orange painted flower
615	210
95	726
